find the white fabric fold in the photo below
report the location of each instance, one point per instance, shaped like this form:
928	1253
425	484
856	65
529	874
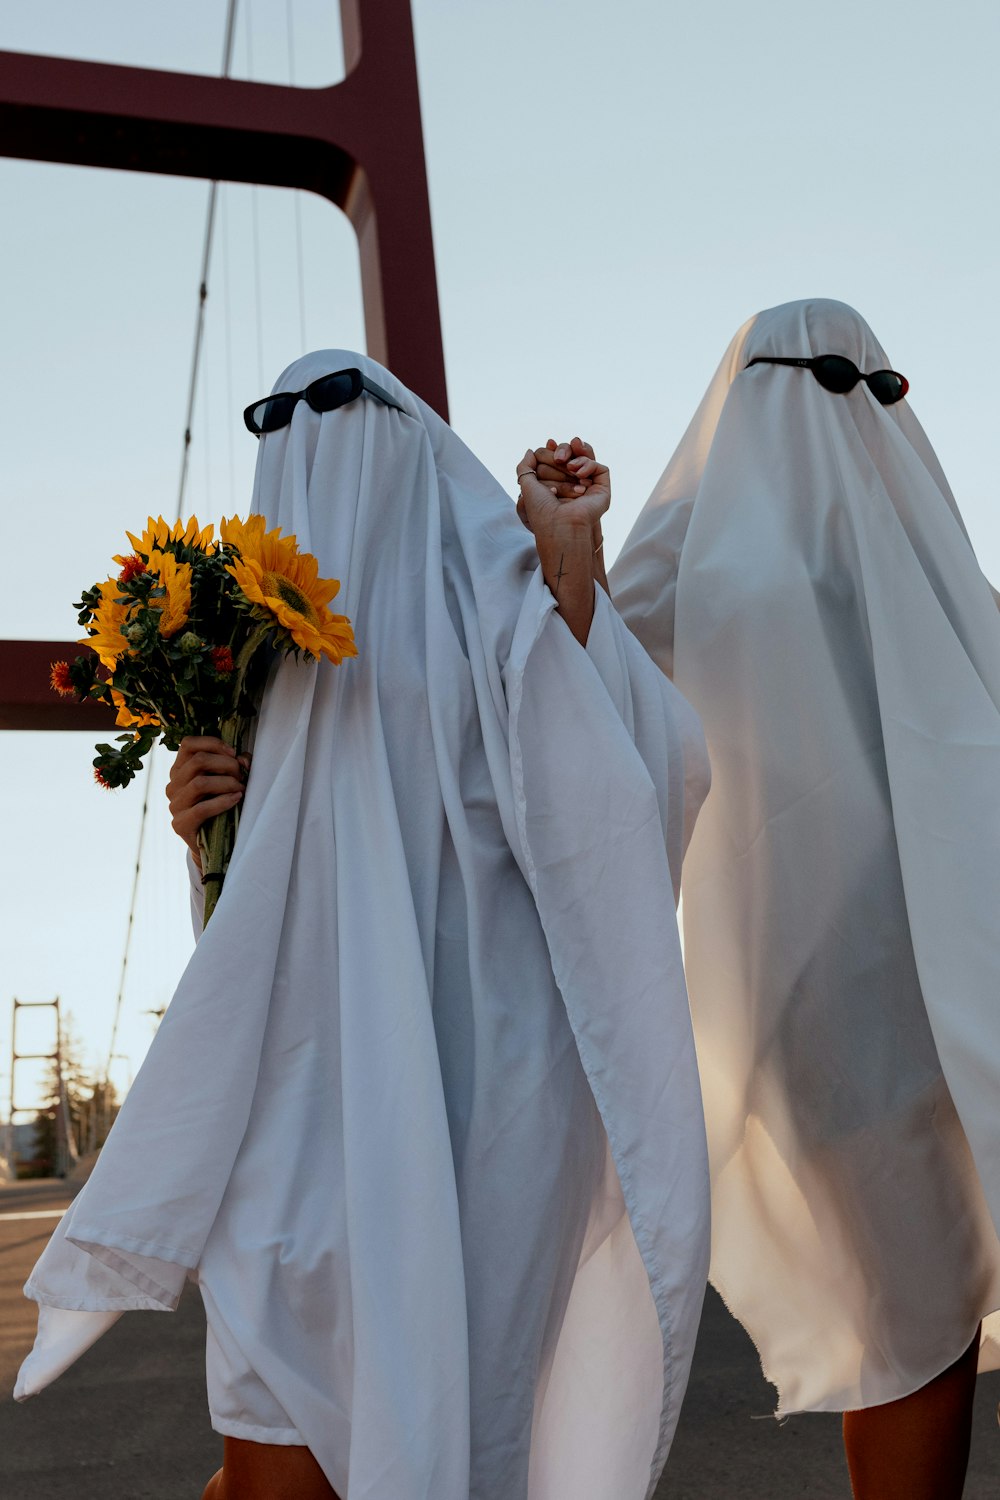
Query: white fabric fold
442	977
802	570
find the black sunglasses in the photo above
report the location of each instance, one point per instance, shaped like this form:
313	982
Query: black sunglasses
324	394
840	375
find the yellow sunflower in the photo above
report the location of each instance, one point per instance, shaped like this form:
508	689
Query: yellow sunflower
175	577
160	533
126	718
275	576
106	628
247	536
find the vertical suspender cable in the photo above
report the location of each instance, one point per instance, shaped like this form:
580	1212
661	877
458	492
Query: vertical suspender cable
303	346
206	256
255	221
143	819
227	310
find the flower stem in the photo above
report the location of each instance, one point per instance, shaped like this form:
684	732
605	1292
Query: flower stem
217	837
215	841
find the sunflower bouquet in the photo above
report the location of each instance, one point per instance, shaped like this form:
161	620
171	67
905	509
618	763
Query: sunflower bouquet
181	639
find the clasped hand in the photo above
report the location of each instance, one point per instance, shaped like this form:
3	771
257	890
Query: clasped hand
562	483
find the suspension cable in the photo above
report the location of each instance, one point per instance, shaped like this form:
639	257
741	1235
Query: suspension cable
227	309
297	196
255	219
206	257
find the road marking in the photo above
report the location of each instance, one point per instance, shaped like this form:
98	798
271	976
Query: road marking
38	1213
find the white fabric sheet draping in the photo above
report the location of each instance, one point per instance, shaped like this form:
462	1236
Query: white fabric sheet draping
803	571
442	984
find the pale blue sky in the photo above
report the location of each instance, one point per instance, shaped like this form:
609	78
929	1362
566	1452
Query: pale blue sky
614	188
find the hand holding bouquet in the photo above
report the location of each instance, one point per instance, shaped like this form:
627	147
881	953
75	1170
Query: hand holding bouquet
184	635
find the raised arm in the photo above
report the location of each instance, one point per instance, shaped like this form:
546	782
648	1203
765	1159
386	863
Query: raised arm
568	470
564	530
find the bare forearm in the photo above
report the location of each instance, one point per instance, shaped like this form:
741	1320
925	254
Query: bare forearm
566	554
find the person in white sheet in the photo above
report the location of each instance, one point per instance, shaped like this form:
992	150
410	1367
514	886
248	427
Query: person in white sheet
405	1120
802	572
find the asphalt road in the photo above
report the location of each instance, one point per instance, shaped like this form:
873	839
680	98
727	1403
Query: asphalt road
129	1420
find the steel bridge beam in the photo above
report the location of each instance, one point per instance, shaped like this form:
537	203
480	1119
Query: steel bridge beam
358	143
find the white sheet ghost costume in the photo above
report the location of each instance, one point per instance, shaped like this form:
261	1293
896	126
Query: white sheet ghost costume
444	975
803	572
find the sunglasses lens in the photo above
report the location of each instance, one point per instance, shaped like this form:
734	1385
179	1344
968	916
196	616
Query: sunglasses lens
886	386
275	412
332	391
835	373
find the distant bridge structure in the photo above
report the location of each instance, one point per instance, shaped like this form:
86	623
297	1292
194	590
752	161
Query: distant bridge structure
358	143
64	1148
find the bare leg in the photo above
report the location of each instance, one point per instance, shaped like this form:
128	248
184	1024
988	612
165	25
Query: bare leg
268	1471
916	1448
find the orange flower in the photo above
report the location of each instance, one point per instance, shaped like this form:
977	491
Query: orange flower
133	565
60	680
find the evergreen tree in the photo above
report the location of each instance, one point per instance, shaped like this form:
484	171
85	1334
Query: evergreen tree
88	1105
